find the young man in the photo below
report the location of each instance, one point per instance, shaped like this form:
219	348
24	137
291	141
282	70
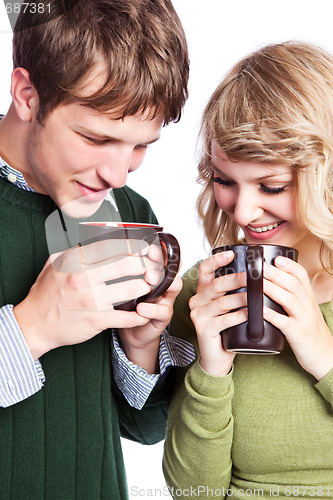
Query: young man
93	83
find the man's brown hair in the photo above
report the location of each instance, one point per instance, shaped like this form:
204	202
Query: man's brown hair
141	43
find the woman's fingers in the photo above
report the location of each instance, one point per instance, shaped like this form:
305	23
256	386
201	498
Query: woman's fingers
218	287
222	304
289	286
208	267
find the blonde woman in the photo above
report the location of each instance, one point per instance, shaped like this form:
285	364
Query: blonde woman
250	425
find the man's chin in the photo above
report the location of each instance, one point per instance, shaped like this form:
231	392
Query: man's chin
80	208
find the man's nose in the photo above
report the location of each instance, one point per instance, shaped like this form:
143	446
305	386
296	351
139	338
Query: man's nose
115	167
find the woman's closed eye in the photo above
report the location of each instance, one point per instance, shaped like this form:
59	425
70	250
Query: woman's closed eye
265	189
224	182
271	190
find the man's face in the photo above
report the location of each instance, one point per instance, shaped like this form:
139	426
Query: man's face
79	155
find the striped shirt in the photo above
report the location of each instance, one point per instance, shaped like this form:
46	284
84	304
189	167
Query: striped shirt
21	376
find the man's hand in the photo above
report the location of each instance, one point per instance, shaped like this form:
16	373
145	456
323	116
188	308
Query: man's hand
141	343
70	302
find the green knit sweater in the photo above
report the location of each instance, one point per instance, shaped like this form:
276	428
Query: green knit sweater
264	430
63	443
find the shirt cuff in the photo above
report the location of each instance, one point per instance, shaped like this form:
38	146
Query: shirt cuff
133	381
20	375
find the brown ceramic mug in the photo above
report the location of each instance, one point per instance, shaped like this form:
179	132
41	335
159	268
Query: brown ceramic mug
255	336
127	234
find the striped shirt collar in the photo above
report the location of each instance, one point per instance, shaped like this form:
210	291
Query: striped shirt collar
14	176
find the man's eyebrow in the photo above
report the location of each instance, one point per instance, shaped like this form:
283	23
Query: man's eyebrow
152	141
103	137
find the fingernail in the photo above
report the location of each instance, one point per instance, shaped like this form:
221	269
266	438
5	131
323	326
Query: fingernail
153	277
281	261
227	254
142	309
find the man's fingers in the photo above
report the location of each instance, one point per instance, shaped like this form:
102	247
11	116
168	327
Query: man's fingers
107	249
119	267
106	296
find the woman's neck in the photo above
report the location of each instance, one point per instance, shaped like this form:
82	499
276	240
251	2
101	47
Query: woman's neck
309	258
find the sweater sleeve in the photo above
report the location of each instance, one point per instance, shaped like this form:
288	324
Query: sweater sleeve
325	385
197	453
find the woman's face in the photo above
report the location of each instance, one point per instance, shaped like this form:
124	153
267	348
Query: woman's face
260	198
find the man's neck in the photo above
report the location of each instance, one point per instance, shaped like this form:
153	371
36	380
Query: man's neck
13	140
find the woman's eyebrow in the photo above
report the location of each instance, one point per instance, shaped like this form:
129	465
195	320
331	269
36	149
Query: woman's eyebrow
214	167
261	178
276	174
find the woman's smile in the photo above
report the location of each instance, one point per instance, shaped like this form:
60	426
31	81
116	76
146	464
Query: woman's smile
263	232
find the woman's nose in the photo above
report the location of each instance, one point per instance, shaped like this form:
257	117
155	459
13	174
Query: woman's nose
246	208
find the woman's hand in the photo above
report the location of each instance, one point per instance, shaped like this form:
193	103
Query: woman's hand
213	311
304	327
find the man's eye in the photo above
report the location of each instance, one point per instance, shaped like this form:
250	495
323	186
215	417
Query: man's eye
97	142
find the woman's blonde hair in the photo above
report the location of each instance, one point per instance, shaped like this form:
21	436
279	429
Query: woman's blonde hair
275	106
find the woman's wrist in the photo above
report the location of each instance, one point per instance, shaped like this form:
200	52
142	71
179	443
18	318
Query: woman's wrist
216	368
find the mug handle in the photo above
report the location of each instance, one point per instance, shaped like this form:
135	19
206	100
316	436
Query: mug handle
255	298
171	270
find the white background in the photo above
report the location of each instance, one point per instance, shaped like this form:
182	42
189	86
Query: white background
219	32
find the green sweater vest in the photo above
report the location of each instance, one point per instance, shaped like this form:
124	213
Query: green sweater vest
264	430
63	443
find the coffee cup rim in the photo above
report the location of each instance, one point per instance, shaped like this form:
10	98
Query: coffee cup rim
253	245
121	225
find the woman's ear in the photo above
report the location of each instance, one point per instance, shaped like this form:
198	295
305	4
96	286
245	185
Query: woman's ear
24	94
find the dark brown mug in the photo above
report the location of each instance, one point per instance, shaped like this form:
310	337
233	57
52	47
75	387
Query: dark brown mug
256	335
130	233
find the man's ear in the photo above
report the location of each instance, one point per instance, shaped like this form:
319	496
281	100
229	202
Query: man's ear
24	94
